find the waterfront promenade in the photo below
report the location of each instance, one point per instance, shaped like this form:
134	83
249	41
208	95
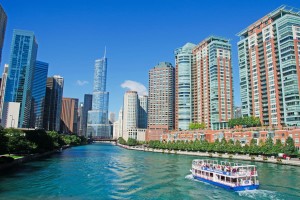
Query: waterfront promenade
216	155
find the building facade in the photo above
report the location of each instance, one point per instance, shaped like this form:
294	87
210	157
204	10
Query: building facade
120	123
2	88
143	111
53	103
212	92
98	124
116	130
130	112
243	135
21	73
161	96
11	114
79	119
183	86
38	94
87	106
3	22
112	117
69	116
268	53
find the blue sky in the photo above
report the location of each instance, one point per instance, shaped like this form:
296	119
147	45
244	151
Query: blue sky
137	34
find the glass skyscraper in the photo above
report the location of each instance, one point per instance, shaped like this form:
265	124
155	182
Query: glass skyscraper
98	125
3	20
87	105
53	103
183	100
21	72
38	93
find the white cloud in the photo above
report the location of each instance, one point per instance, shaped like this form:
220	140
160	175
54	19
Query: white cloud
81	83
135	86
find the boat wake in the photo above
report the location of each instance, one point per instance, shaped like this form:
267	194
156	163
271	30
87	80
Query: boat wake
259	194
249	194
190	177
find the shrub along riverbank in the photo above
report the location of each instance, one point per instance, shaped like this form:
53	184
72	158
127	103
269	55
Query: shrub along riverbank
24	142
267	148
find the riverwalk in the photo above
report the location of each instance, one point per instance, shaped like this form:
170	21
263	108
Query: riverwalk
216	155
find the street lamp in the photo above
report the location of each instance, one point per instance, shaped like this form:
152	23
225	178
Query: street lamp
12	119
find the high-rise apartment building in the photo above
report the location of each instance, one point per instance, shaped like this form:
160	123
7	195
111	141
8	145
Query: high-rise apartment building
2	88
120	124
3	21
183	85
87	106
38	94
79	119
53	103
161	96
212	92
69	116
21	73
131	110
143	111
97	125
269	67
134	113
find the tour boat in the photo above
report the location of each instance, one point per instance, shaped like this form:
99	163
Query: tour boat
229	175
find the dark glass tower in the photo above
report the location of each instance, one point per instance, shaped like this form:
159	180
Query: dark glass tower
53	103
87	106
3	21
38	93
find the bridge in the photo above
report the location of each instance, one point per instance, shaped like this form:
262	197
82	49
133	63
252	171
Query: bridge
96	139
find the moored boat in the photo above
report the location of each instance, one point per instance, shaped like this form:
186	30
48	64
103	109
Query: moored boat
229	175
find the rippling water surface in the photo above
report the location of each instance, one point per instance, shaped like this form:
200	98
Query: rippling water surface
104	171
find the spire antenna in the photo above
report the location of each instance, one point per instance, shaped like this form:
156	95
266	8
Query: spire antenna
105	52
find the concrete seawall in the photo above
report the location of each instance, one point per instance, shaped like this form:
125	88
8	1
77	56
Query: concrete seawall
25	159
217	155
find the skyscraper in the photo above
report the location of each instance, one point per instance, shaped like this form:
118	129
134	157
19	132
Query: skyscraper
269	68
143	111
98	125
130	113
69	116
53	103
79	119
112	117
120	124
161	96
21	73
183	85
38	93
3	21
87	106
212	83
2	88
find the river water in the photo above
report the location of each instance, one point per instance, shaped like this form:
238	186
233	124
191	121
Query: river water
105	171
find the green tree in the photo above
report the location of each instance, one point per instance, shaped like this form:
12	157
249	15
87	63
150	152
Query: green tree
195	126
253	148
278	147
267	147
131	142
3	141
289	147
18	144
237	147
122	141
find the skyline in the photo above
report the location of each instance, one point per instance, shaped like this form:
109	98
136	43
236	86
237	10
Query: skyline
123	30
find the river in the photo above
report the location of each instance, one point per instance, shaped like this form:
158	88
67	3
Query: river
105	171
